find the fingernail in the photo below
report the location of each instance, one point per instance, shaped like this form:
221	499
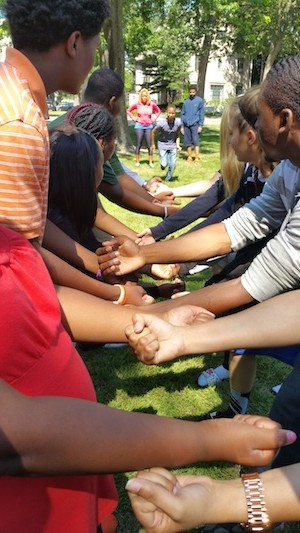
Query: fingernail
290	436
133	485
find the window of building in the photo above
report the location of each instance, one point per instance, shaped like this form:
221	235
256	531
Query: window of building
216	92
238	89
240	65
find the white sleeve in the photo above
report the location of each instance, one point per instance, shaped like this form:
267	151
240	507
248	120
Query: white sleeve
277	268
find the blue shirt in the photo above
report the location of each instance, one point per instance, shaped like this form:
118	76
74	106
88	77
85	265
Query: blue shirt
168	133
192	113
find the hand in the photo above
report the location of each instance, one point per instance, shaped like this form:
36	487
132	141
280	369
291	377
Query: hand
248	440
154	340
136	295
173	209
164	503
166	197
119	256
152	184
152	148
178	148
182	131
145	237
199	129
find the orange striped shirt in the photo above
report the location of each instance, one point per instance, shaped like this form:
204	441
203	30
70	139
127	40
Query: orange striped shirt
24	147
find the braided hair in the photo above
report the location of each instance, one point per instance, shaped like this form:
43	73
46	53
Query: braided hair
93	118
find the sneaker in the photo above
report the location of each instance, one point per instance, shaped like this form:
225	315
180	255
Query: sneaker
209	377
189	160
276	388
151	165
197	160
137	164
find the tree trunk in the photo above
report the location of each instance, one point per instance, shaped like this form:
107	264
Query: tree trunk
202	64
272	54
115	41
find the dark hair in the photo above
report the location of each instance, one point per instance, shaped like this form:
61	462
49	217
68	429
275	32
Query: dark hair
282	87
40	24
102	85
93	118
194	87
72	182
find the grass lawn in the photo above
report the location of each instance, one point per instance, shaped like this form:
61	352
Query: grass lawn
171	389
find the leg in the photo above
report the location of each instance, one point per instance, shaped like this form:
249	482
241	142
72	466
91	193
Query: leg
285	410
163	158
172	154
195	142
139	139
188	142
147	133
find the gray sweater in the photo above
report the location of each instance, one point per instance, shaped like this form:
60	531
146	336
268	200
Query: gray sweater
277	268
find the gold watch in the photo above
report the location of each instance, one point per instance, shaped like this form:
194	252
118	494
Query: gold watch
258	518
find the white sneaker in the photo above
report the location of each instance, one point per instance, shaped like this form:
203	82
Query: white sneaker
210	377
151	165
276	388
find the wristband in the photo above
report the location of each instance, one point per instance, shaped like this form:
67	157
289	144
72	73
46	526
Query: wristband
99	274
258	518
144	185
122	298
165	211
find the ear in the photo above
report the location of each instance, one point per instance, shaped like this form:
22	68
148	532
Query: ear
286	119
111	103
251	136
72	43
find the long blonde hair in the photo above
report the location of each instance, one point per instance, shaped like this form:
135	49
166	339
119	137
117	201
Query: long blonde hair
231	168
140	96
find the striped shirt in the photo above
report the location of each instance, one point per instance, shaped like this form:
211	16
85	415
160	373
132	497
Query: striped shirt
24	147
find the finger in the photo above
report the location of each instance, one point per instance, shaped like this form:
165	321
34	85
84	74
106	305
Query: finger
153	493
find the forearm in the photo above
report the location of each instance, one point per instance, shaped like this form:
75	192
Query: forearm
64	274
128	183
203	244
195	189
271	323
281	488
110	224
60	244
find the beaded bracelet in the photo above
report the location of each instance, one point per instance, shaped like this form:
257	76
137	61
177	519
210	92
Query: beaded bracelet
122	298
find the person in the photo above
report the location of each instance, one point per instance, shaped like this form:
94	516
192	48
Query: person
192	118
54	435
168	142
76	169
147	113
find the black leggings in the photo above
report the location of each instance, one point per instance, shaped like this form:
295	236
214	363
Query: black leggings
140	134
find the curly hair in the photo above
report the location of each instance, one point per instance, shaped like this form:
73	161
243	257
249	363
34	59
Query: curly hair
144	91
37	25
102	84
94	119
72	182
282	87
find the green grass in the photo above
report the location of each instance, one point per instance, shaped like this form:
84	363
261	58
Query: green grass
171	389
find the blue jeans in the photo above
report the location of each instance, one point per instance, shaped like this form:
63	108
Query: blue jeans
167	158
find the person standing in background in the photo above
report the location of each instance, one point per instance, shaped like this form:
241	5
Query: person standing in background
192	118
147	113
168	129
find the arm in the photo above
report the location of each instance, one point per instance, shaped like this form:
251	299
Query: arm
132	201
195	189
157	112
272	323
153	133
51	435
163	502
133	107
110	224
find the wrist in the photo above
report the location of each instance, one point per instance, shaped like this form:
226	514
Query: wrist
122	295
